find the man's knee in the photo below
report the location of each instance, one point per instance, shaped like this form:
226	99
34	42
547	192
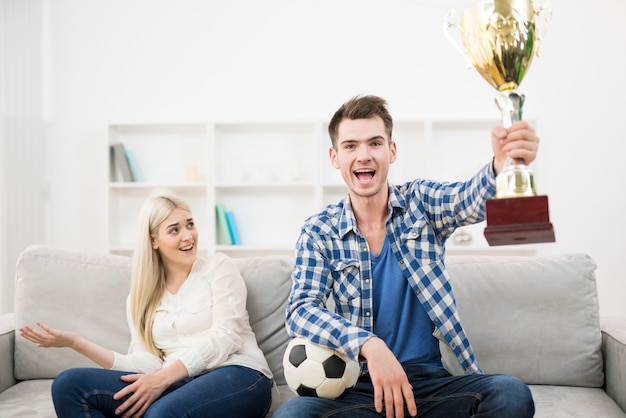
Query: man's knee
300	407
513	396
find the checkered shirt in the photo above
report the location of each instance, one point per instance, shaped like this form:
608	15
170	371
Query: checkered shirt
331	298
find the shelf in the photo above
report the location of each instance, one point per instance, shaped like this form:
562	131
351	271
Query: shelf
284	186
154	185
273	176
236	251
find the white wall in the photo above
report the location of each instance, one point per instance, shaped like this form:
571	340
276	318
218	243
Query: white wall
6	290
22	136
245	60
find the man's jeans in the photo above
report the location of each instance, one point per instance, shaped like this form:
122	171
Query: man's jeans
229	391
437	395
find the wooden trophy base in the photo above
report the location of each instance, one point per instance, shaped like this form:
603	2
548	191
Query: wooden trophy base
518	220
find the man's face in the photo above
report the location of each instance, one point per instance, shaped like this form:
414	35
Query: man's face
362	153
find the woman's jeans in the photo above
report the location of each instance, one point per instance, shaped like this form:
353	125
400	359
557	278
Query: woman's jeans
437	395
229	391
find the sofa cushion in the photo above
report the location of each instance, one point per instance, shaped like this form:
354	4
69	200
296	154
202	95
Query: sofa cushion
30	398
69	290
532	317
573	402
74	290
7	344
268	280
614	353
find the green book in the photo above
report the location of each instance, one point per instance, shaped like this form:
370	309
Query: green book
223	233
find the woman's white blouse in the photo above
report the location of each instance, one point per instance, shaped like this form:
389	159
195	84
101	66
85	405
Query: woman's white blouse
205	324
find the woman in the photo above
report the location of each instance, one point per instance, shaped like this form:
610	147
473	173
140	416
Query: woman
192	352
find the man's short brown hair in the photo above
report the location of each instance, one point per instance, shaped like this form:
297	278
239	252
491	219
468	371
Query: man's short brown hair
360	107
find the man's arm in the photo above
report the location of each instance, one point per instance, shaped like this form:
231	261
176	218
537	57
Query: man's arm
391	385
308	315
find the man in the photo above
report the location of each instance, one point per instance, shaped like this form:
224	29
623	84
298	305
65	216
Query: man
370	279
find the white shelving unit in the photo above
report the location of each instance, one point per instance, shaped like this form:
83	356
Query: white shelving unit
165	154
274	175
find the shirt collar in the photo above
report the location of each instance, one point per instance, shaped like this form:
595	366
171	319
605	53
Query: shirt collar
347	220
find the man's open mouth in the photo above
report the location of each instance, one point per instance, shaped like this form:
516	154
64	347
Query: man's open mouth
364	174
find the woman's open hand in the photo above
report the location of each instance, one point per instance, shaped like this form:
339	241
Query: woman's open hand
49	337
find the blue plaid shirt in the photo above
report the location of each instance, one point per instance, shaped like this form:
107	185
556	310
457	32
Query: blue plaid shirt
331	297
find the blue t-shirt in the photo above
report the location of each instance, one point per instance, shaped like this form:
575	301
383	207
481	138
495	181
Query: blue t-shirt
399	318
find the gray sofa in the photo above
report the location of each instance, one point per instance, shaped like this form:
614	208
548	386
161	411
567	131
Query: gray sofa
532	317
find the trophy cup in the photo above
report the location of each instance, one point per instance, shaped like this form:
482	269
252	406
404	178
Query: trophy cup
500	39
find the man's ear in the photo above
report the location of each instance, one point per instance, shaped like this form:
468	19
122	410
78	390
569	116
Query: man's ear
332	154
393	152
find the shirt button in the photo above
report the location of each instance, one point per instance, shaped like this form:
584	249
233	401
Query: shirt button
367	313
401	261
436	320
367	281
364	249
414	234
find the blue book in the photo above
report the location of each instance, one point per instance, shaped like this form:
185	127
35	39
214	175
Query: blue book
134	169
232	227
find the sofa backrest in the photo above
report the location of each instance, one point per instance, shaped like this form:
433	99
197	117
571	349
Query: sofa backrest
74	291
532	317
86	293
268	280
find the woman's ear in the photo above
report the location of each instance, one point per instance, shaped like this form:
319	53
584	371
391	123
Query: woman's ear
154	244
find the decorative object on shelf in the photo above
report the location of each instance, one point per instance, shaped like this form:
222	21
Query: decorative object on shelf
191	173
501	37
462	237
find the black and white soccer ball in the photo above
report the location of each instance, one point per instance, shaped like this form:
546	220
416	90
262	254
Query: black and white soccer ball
314	370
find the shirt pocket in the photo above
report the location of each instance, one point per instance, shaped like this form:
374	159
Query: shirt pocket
419	241
346	283
196	318
163	325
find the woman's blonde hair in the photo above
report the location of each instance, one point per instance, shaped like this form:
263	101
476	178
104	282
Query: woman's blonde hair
147	274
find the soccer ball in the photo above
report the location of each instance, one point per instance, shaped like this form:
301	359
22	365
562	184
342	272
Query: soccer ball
314	370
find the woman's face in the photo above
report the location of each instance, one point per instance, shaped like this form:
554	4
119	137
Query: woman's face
177	239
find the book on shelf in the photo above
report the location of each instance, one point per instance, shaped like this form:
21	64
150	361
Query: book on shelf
223	233
121	164
232	227
134	168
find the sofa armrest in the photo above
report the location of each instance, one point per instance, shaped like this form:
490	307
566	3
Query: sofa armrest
7	350
614	354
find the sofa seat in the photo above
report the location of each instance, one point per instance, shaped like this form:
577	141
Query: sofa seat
573	402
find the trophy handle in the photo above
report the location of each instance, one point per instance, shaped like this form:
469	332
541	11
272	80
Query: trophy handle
511	105
543	12
452	30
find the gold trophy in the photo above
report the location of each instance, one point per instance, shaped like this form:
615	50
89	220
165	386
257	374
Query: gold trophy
500	39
